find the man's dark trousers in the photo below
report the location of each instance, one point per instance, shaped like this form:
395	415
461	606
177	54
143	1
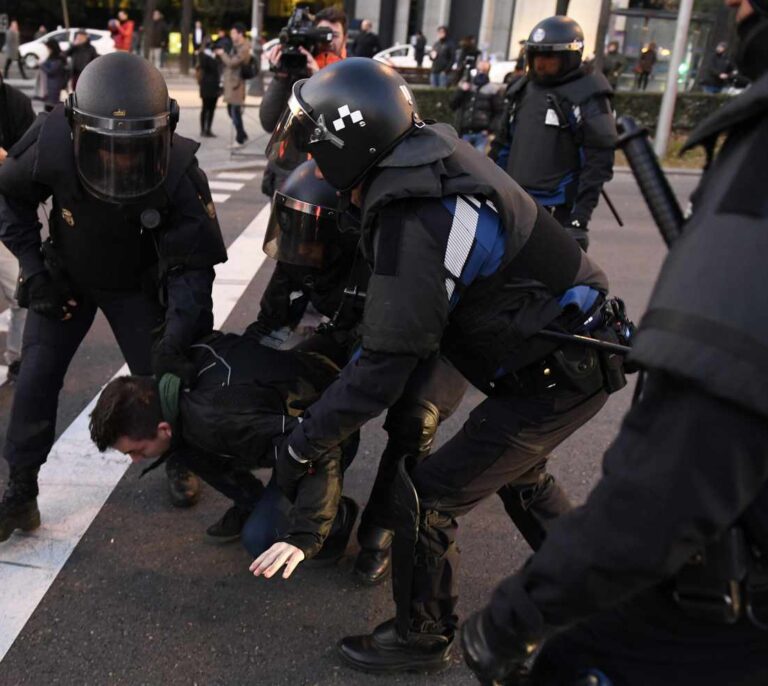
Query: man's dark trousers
505	441
48	348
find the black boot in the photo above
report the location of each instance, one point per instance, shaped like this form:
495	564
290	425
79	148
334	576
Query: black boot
336	543
18	508
385	651
229	527
183	485
372	565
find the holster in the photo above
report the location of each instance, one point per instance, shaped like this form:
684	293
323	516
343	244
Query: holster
725	582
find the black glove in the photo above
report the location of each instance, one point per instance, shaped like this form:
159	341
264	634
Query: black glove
577	228
46	297
288	470
489	666
168	357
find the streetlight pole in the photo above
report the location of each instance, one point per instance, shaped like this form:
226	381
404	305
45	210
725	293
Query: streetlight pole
664	126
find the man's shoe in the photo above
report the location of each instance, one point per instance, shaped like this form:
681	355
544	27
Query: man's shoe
385	651
210	134
336	543
17	512
13	372
229	527
372	565
183	485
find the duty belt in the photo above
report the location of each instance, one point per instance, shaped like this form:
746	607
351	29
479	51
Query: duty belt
726	582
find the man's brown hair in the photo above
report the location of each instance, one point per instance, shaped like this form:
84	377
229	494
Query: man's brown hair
333	15
128	406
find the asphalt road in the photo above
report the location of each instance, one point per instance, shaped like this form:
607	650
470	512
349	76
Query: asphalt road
145	600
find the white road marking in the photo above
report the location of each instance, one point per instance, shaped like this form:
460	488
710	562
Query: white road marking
220	197
76	480
225	185
237	176
5	319
3	374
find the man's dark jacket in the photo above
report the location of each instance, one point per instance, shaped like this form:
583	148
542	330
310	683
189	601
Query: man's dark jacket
16	115
246	397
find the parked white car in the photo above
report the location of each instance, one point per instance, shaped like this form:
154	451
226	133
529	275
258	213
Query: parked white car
35	51
404	56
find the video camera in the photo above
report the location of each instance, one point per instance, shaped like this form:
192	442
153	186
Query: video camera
300	32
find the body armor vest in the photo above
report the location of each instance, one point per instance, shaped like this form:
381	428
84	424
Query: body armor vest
707	320
545	150
101	245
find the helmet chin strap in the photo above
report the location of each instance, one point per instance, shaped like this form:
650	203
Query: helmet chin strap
348	216
752	54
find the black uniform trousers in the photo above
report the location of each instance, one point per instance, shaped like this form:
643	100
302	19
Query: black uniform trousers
48	348
505	441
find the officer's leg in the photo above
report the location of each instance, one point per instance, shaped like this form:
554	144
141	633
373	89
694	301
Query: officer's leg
48	348
133	317
503	439
433	392
533	501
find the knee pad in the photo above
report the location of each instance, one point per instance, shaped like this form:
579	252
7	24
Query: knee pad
413	425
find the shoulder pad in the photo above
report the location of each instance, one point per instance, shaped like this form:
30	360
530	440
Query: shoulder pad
182	157
30	136
588	86
516	88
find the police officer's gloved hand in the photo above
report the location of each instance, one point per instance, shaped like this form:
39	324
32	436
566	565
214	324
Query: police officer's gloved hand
289	468
490	665
168	357
578	229
49	298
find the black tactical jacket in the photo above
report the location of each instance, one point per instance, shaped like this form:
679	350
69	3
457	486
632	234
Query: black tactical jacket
102	245
408	316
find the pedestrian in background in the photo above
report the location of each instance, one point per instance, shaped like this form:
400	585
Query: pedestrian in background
41	31
158	38
614	63
11	49
208	78
232	77
419	44
16	116
718	71
442	59
122	31
54	73
644	66
81	53
476	103
223	41
366	42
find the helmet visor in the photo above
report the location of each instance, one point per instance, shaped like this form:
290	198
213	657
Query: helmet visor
120	166
296	133
301	234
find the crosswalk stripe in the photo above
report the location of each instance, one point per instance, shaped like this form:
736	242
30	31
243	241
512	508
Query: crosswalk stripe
3	377
225	185
77	480
220	197
237	176
5	319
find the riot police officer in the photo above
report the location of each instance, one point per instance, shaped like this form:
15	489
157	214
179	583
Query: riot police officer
133	233
465	263
556	133
661	574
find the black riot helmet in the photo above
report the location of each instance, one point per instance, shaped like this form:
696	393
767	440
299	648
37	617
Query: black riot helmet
302	227
557	36
122	123
347	116
752	52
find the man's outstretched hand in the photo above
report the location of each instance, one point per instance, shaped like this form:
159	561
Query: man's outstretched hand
270	561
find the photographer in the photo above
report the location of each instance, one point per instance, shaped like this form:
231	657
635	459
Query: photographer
287	73
475	102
